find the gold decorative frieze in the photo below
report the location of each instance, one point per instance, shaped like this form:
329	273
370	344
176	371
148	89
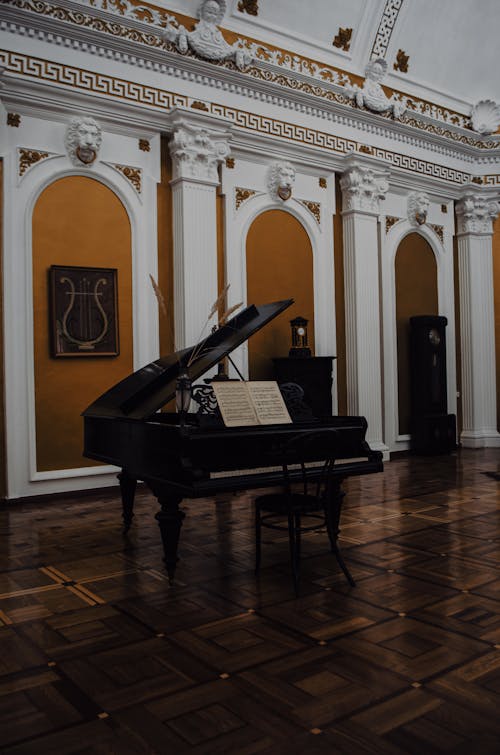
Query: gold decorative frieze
390	220
134	175
159	19
249	6
439	231
241	195
322	182
28	157
13	119
198	105
229	162
82	80
342	39
365	149
492	180
313	207
477	180
401	63
144	145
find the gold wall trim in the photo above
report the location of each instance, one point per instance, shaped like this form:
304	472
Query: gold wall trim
28	157
134	175
241	195
439	231
290	61
149	96
313	207
390	220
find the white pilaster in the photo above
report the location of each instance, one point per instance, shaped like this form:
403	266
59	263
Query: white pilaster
475	212
196	149
363	185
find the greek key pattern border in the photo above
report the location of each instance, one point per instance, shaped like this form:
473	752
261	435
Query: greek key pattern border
133	92
292	63
385	29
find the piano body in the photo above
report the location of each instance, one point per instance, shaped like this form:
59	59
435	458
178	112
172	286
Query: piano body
196	455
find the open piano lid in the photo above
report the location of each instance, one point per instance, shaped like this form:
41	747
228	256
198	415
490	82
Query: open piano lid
141	394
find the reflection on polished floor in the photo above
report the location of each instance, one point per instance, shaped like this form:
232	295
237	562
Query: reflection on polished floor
101	655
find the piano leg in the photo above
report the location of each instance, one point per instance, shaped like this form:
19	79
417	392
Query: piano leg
127	489
333	510
169	519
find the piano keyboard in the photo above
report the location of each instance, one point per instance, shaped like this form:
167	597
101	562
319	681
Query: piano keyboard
267	470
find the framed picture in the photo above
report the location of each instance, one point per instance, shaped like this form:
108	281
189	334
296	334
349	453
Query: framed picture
83	311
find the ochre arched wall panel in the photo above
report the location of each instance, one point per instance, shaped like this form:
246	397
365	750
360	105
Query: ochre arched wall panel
76	221
416	294
279	266
496	293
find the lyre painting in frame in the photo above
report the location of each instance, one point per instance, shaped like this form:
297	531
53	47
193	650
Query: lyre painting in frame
83	311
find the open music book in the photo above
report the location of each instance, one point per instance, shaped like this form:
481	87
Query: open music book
257	402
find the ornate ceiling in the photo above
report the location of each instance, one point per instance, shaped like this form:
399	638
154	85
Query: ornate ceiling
448	47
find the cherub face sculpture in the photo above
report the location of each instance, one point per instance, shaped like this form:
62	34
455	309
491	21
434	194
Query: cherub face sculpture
281	180
376	69
212	11
418	207
83	140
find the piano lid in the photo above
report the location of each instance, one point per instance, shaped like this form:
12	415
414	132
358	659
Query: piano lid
144	392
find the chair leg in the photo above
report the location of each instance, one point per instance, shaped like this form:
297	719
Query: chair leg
293	552
257	538
298	533
332	519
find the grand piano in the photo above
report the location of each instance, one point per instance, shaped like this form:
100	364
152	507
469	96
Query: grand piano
191	456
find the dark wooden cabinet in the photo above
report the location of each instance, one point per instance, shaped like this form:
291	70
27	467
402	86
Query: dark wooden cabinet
433	430
314	375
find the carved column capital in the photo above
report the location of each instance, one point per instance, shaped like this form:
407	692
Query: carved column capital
363	187
197	151
476	211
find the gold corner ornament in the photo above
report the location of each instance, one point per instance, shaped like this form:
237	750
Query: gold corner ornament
241	195
390	220
439	231
401	63
144	145
28	157
249	6
342	39
131	174
14	120
314	208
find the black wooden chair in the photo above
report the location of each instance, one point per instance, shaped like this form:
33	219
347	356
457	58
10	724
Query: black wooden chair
304	504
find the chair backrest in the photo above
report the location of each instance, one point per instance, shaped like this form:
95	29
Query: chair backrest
315	449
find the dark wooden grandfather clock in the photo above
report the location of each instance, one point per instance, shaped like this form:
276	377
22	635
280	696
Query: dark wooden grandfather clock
433	430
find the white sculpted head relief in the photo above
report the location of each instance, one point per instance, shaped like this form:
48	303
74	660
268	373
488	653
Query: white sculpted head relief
372	95
418	207
83	140
206	40
281	180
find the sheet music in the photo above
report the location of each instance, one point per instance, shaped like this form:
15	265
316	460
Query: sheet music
268	402
234	403
254	403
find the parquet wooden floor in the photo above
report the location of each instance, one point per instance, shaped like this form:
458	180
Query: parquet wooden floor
99	654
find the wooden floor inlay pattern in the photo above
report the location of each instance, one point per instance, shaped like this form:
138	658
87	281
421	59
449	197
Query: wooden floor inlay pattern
101	654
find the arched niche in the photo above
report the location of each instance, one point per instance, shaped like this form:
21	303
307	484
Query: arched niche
416	294
77	221
279	262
